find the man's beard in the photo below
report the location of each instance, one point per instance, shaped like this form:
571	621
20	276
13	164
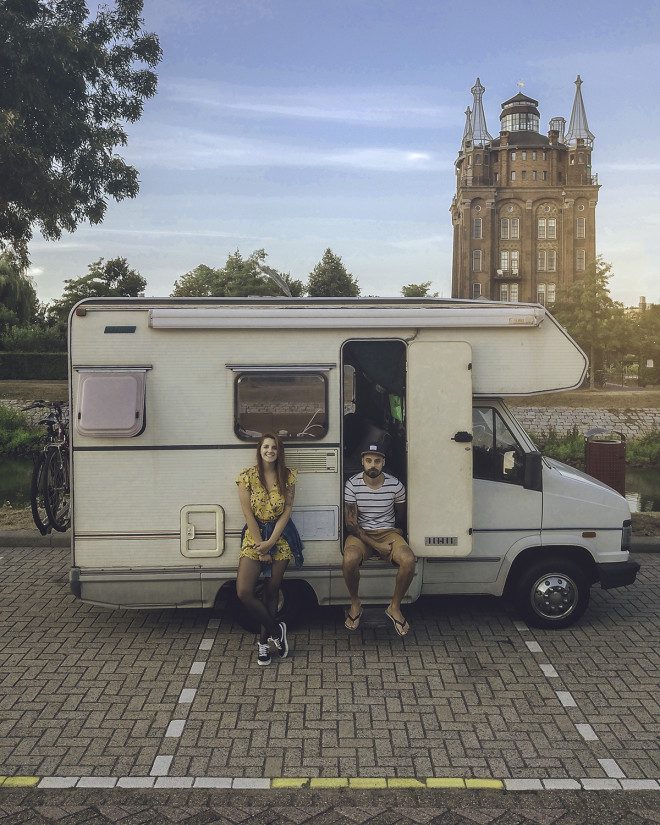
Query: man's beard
373	472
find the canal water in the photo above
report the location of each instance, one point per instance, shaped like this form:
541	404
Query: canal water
642	485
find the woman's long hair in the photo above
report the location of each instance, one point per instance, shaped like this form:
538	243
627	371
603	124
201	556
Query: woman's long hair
281	470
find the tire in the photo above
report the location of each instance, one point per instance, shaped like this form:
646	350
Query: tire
38	495
552	593
57	490
295	600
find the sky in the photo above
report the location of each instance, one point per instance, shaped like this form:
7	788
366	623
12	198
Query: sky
297	125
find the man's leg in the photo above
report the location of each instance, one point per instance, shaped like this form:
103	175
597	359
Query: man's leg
353	556
405	561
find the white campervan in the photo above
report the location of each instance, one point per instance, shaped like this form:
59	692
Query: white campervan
169	395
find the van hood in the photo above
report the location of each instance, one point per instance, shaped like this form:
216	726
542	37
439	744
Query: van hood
573	497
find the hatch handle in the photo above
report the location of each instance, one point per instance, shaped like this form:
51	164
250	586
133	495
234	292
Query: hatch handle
462	437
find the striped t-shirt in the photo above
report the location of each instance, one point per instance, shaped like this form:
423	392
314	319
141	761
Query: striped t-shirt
375	507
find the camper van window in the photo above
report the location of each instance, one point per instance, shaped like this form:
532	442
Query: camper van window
110	403
293	405
496	455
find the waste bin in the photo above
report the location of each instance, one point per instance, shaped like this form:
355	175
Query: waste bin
605	458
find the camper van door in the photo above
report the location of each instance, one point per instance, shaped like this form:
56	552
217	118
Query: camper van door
439	401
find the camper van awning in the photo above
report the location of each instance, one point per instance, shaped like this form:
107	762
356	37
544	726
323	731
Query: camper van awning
336	318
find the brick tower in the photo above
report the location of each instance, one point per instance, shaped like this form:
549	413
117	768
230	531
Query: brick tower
524	213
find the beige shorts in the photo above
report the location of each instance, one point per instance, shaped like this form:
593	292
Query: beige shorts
383	544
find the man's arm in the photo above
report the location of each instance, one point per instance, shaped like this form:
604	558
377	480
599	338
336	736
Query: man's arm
351	520
400	515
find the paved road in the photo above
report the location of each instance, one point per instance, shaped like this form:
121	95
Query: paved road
173	699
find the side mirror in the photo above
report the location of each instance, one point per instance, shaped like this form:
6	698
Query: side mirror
533	477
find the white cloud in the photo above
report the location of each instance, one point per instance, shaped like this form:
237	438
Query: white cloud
409	107
189	149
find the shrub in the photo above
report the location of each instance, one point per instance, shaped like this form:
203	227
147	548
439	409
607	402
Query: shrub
33	339
644	451
44	366
640	452
18	436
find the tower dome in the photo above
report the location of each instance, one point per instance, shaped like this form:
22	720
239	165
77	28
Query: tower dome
520	114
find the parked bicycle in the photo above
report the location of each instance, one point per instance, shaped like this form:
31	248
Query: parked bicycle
50	486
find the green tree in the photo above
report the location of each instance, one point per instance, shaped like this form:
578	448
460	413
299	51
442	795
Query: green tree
68	83
590	315
330	279
112	279
422	290
239	278
646	337
18	299
201	282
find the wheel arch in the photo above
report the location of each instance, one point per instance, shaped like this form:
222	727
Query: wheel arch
534	554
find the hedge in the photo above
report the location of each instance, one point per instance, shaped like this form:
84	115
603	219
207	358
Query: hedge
42	366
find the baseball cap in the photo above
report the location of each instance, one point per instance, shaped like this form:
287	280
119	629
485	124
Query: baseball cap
373	448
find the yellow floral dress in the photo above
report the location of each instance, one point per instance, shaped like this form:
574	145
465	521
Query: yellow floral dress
266	506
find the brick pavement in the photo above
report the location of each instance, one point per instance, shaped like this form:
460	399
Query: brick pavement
88	692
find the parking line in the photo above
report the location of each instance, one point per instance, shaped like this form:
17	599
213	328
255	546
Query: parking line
175	728
549	671
187	696
566	698
587	732
612	769
161	765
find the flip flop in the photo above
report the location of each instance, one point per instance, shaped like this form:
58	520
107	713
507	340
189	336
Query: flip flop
402	628
355	620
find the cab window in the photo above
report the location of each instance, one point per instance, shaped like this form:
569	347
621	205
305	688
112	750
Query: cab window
496	455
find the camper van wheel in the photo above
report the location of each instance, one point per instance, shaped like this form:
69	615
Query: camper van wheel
552	593
295	599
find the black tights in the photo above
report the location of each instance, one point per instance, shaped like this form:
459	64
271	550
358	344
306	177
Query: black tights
263	612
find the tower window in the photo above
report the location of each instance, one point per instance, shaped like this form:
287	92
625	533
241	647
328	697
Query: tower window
476	290
540	294
497	177
580	157
515	227
580	227
572	160
504	260
477	159
552	293
476	260
514	261
546	228
535	174
545	175
580	260
533	155
509	228
545	155
513	293
513	175
504	292
523	175
513	155
552	260
541	260
523	155
504	229
477	228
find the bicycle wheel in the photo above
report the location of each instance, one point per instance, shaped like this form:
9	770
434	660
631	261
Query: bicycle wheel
57	489
38	495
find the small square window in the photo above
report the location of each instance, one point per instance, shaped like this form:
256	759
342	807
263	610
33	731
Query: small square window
110	403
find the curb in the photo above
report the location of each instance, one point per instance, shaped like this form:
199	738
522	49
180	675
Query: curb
325	783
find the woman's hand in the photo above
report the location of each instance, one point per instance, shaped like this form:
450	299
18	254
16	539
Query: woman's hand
263	548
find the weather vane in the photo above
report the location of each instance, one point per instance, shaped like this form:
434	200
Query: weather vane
521	84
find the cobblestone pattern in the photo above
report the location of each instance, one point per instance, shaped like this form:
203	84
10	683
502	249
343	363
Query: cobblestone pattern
328	808
91	692
632	423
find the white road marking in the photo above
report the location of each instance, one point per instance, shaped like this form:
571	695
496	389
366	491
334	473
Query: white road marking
566	698
534	647
256	784
174	782
213	624
96	782
640	784
161	765
561	785
612	769
523	784
587	733
206	644
213	782
197	668
58	781
521	627
187	696
600	784
549	671
175	728
136	782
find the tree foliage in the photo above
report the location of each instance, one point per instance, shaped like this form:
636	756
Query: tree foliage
18	298
112	279
240	277
330	279
68	83
422	290
597	323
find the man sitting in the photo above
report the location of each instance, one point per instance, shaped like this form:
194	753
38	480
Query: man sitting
374	504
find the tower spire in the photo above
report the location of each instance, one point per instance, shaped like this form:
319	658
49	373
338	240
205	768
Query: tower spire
467	132
578	126
480	134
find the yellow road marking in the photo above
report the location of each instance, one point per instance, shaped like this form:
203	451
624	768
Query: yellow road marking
445	782
289	782
20	781
484	783
367	782
328	782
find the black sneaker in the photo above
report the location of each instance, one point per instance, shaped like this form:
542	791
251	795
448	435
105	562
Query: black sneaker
263	655
279	641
